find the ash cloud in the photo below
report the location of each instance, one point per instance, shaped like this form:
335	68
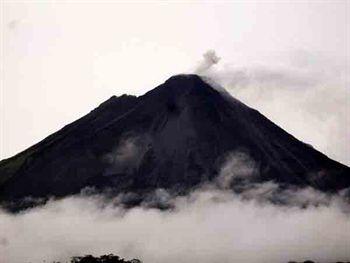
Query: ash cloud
310	89
209	59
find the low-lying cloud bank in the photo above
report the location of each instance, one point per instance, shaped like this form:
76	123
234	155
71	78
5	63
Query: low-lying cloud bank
263	223
209	225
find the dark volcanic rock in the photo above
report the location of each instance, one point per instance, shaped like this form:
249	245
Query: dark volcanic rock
173	137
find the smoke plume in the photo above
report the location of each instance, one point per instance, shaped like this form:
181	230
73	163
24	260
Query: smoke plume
209	59
311	90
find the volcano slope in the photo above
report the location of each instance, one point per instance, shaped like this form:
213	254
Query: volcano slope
176	137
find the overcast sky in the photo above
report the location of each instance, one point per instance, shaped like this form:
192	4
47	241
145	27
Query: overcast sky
61	59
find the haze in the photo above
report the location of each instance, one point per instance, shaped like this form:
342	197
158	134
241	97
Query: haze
62	59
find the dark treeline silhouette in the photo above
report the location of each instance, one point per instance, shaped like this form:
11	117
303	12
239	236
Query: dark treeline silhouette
116	259
310	261
110	258
102	259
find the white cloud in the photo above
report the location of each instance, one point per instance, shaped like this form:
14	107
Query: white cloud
305	93
207	226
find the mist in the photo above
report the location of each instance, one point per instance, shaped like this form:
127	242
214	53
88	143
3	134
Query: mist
133	47
209	225
263	223
127	154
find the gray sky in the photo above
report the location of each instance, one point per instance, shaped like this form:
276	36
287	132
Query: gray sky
288	59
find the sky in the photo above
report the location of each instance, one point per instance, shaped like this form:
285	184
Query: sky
288	59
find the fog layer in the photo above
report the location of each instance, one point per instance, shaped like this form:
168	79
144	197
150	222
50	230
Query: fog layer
210	225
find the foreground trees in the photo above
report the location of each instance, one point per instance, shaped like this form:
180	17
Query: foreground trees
103	259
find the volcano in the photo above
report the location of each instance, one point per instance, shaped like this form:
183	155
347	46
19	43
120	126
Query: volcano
174	137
